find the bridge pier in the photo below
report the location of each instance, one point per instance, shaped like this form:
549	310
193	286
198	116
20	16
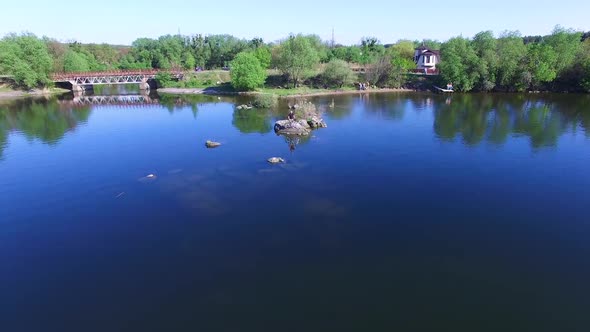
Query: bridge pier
144	85
76	87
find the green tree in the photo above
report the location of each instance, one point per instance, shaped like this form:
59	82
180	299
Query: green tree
354	54
485	46
321	48
57	51
511	61
339	52
371	50
400	65
246	72
459	63
263	55
541	61
26	58
429	43
296	58
337	74
566	44
200	49
223	49
106	56
188	60
164	79
584	66
75	62
403	49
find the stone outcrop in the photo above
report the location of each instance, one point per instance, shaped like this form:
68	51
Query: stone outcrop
304	116
292	127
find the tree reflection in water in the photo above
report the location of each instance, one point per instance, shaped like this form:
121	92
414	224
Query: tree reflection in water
39	119
252	121
476	118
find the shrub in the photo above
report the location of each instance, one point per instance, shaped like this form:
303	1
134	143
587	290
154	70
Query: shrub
337	74
246	72
265	101
164	79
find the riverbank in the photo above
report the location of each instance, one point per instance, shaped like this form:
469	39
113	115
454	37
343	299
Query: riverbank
8	93
283	93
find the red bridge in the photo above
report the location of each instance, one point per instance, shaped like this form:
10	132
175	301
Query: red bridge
141	77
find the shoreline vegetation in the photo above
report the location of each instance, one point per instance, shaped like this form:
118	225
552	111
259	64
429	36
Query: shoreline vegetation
9	93
280	93
307	65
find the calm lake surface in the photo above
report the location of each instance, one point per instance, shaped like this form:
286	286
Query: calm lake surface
410	212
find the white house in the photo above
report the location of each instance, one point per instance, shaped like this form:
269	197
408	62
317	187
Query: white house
426	59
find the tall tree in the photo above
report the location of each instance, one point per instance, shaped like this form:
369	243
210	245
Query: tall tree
459	63
485	46
371	50
566	44
542	63
26	58
75	62
263	55
246	72
511	62
296	58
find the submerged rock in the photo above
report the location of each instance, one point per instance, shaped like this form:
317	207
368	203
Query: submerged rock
148	178
244	107
276	160
316	122
211	144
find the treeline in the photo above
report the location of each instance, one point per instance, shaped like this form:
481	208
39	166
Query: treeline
558	62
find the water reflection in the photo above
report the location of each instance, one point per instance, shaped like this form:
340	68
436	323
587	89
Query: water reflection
250	121
39	119
494	118
295	140
384	106
471	118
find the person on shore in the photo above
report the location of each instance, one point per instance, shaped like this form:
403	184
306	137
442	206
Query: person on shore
291	115
449	86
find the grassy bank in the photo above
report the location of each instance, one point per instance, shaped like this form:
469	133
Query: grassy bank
217	82
7	92
202	79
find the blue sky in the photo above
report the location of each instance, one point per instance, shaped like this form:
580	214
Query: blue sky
122	21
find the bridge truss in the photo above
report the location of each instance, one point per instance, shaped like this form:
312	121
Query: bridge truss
112	77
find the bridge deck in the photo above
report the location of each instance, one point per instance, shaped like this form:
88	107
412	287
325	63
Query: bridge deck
112	77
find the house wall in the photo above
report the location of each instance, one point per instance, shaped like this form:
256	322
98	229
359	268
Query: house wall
422	63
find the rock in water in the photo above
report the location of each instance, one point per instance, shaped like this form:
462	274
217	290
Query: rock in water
304	118
211	144
276	160
316	122
291	127
244	107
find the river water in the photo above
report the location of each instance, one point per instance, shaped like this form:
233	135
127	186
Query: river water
410	212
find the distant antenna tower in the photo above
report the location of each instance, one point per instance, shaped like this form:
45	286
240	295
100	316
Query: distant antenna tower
333	37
